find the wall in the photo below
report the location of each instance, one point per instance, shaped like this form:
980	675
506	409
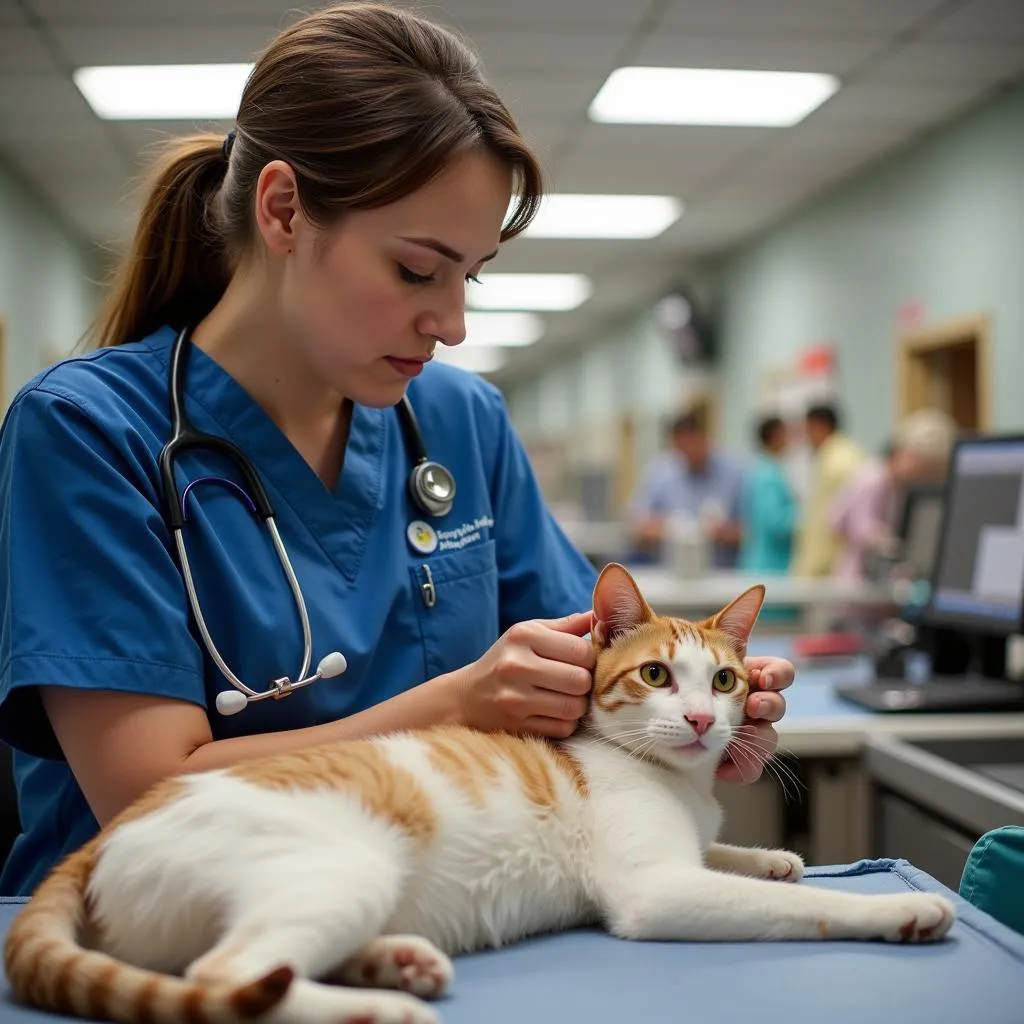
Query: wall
47	297
941	224
569	416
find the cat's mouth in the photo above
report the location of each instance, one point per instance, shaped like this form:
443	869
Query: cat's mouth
694	746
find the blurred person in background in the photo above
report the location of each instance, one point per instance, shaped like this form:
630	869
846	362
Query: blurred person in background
690	481
770	508
863	514
837	458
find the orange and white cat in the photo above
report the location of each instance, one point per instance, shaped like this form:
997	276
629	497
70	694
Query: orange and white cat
298	889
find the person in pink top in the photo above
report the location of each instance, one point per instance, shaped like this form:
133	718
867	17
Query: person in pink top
863	514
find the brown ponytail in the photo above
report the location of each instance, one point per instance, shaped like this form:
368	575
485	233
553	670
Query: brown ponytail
366	102
177	267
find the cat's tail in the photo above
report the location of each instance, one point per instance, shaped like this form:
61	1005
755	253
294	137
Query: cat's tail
48	968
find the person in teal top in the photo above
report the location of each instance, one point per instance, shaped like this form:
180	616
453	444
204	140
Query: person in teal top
770	508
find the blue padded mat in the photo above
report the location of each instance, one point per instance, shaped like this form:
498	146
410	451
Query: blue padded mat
975	977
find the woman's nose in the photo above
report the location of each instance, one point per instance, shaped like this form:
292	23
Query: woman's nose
446	321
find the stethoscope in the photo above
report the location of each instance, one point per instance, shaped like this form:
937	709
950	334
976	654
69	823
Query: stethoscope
431	487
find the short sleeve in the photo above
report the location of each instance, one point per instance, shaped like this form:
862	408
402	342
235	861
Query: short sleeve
93	596
541	574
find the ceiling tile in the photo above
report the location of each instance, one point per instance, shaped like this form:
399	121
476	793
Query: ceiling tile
581	49
754	52
22	50
643	158
985	21
33	97
547	97
160	12
181	43
10	13
539	14
877	19
929	61
914	104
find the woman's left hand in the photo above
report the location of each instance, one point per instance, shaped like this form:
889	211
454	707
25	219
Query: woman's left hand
756	739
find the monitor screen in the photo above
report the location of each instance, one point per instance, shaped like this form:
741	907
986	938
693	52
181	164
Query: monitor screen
920	527
978	582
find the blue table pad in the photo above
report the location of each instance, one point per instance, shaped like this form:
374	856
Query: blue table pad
976	976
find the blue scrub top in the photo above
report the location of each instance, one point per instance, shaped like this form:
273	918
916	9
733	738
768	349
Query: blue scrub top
94	598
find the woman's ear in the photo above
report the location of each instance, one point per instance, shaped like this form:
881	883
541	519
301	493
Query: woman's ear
277	207
618	604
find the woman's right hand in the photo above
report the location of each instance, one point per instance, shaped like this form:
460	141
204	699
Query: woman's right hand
535	679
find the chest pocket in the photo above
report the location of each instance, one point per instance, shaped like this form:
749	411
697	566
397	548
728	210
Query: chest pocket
456	597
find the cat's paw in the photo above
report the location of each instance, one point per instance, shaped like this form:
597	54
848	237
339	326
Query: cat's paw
915	917
406	962
777	865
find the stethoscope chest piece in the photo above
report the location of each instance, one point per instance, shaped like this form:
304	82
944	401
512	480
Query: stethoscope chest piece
432	488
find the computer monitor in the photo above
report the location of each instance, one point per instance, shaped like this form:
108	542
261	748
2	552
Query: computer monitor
919	528
978	580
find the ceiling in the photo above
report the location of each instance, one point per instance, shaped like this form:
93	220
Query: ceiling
905	65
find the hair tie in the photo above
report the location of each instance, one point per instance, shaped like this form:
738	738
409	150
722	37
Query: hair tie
229	141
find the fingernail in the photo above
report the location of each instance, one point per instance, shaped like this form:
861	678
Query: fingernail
759	706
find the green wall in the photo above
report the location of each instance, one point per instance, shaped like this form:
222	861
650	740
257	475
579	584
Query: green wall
941	223
47	294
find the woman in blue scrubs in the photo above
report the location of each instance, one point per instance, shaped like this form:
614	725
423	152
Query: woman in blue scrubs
320	253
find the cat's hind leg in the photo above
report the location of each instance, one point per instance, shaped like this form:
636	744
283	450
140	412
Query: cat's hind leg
406	962
309	1002
305	907
312	910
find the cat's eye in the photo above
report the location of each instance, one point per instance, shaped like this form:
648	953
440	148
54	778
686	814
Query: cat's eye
725	680
654	674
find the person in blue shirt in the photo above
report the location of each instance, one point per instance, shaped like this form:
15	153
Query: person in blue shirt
770	508
318	256
691	481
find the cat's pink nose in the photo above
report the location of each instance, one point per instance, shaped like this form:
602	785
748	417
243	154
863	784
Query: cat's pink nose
701	723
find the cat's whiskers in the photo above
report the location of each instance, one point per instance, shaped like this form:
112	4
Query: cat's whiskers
755	749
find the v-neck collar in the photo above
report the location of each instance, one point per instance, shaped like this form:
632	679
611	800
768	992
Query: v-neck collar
338	519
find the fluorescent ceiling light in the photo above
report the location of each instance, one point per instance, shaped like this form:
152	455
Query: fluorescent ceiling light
705	96
476	360
163	91
502	330
552	292
569	215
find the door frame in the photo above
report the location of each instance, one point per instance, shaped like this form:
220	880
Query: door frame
935	338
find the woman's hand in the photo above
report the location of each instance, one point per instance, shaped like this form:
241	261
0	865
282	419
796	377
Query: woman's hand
535	679
756	739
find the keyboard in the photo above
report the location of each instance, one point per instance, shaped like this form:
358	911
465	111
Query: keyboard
940	695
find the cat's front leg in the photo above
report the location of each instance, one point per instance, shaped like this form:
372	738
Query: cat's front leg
781	865
670	902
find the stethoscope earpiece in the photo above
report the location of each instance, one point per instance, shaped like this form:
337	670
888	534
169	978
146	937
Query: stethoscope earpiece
230	702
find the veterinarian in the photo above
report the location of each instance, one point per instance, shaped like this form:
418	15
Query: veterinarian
289	284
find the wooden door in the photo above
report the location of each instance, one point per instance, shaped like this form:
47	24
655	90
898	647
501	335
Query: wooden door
947	367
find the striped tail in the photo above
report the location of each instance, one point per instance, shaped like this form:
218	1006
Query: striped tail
47	967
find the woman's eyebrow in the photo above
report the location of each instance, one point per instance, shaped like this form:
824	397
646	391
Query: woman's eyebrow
445	250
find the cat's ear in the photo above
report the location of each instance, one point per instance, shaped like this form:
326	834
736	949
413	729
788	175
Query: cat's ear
618	604
737	620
